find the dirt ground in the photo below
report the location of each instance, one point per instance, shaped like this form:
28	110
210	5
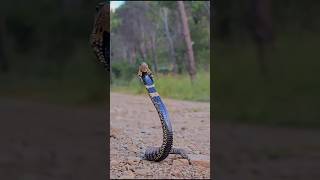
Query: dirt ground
240	151
42	141
135	125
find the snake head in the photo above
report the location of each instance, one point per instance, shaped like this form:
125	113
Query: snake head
144	68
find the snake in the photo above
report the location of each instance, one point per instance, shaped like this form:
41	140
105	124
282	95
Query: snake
158	154
100	35
99	40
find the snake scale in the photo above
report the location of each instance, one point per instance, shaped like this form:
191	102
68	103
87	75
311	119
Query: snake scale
100	36
159	153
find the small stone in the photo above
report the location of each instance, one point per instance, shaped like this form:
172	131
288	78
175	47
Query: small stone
176	172
115	132
132	148
180	162
133	160
114	163
201	163
123	168
128	175
141	172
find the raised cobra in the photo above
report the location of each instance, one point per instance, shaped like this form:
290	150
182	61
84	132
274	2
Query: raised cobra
99	41
159	153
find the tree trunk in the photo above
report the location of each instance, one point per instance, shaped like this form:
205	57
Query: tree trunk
153	51
187	37
170	41
141	40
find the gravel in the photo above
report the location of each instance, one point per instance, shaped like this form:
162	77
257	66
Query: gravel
135	125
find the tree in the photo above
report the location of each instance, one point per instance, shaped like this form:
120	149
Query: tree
164	15
186	33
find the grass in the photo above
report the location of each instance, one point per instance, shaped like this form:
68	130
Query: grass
172	86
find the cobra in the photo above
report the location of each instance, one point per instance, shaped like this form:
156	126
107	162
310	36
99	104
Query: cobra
159	153
100	35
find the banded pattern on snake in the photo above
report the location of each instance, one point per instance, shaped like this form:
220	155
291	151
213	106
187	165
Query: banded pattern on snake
100	35
159	153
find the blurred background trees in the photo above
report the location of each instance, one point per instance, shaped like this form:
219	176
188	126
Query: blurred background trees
154	32
44	46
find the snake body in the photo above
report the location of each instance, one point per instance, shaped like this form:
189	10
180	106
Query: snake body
100	36
99	41
159	153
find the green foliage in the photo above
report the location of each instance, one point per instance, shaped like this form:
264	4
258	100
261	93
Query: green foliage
122	72
174	86
115	21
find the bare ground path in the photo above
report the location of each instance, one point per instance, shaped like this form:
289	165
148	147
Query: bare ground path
135	125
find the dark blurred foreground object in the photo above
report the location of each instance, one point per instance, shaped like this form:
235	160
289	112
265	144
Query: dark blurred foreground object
100	36
261	27
245	148
51	142
3	61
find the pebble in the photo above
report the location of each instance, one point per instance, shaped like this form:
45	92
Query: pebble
176	173
180	162
132	148
201	163
114	132
133	160
114	162
141	172
127	175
